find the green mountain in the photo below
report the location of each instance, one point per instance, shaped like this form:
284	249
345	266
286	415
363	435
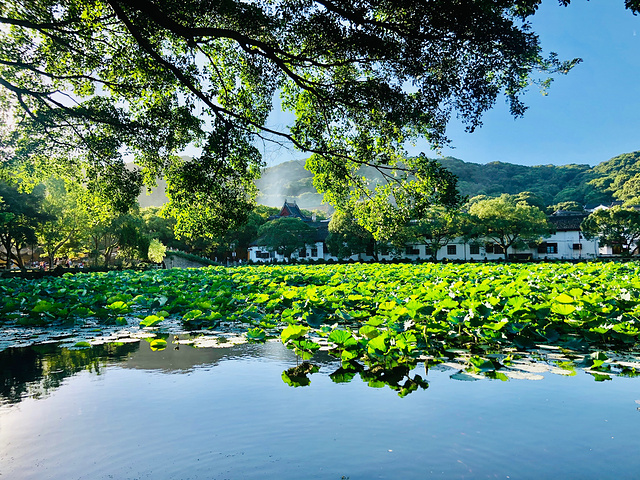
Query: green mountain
615	179
553	184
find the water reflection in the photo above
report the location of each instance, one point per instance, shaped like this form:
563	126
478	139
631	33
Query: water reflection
35	371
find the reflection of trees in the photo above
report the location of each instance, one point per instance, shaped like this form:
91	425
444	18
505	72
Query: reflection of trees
35	371
396	377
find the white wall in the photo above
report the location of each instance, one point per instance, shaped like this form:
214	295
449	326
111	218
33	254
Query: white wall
560	242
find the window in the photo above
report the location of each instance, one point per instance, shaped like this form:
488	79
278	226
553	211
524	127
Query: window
552	248
261	254
577	246
314	252
411	250
451	249
489	248
474	249
303	253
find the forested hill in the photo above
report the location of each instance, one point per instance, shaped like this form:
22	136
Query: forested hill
614	179
553	184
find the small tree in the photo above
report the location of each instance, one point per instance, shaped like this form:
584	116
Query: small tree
21	213
285	235
347	237
615	227
156	251
507	222
65	215
438	227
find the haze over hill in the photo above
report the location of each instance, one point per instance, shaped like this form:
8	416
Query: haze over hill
615	179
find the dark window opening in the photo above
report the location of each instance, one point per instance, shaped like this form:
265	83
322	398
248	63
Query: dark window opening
411	250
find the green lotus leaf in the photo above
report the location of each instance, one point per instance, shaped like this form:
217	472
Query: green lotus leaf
293	332
119	307
369	331
564	298
563	308
406	341
256	335
290	294
496	325
342	338
151	320
42	306
379	344
192	315
348	355
261	298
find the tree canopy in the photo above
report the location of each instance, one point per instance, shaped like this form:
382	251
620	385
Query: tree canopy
616	227
92	81
437	228
507	222
285	235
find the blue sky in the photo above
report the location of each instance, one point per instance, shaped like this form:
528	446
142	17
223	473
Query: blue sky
588	116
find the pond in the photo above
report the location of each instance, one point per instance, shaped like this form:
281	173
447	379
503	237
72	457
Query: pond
127	411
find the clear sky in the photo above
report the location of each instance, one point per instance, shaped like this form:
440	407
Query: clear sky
588	116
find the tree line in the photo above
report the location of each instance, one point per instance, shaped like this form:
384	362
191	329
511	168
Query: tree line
508	222
57	221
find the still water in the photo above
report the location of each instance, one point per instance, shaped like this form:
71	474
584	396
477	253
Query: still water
128	412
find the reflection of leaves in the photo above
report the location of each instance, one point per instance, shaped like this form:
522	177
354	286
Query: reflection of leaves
598	377
397	378
158	344
342	375
497	376
464	377
297	376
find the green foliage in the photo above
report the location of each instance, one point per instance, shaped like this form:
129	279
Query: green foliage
550	183
285	235
379	321
149	79
508	222
620	177
157	251
346	237
617	227
438	227
22	213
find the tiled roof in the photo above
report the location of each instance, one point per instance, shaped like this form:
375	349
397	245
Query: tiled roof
290	209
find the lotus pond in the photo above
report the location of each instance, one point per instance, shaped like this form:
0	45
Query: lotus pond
341	371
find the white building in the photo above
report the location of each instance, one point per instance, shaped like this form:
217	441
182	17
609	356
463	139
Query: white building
567	243
315	251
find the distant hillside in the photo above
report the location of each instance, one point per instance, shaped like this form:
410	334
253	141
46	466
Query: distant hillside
288	181
554	184
614	179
